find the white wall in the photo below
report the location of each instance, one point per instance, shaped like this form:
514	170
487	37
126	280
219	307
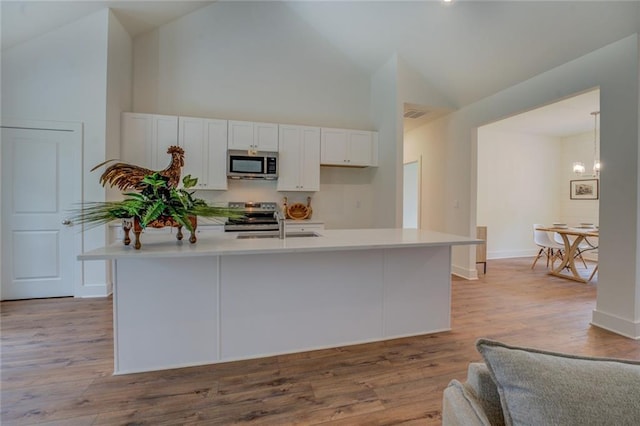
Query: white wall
248	61
518	185
119	99
508	162
419	145
260	62
393	85
119	83
387	114
577	148
62	76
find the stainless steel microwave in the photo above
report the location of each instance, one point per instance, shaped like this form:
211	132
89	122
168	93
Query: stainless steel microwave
259	165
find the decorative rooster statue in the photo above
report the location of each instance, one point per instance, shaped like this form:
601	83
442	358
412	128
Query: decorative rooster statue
128	176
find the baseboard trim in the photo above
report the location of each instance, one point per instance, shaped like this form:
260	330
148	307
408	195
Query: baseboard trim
86	292
508	254
467	274
616	324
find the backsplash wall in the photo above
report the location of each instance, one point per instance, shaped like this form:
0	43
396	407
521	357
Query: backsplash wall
343	201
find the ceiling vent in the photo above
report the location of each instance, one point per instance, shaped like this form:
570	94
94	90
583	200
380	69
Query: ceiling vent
414	113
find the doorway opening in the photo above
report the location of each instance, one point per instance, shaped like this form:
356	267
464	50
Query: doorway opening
411	195
524	173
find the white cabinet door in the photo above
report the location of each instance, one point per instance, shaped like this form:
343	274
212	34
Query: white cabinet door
265	136
216	136
205	146
135	138
247	135
145	139
344	147
164	134
191	137
360	148
240	135
333	147
289	155
299	158
310	160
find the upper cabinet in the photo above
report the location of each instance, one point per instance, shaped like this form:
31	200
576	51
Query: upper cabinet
248	135
205	151
302	149
146	138
345	147
299	158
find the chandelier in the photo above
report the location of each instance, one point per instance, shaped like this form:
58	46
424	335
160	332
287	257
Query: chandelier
596	150
578	166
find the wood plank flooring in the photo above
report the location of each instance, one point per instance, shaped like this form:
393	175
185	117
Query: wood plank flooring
57	360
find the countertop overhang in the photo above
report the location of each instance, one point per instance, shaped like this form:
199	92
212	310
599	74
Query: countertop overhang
166	246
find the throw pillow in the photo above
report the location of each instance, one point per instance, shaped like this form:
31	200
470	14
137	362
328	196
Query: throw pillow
546	388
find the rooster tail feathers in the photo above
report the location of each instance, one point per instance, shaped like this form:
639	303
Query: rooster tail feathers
103	163
124	176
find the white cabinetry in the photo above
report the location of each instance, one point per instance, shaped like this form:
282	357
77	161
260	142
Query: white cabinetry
146	137
247	135
344	147
299	158
205	148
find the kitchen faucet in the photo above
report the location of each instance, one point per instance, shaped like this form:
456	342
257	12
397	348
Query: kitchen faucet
280	218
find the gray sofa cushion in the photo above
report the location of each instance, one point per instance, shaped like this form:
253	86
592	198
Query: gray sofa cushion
545	388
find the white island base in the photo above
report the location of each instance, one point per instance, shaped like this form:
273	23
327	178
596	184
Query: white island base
223	299
180	312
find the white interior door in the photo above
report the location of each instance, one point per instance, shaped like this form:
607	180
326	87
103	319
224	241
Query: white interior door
411	195
41	182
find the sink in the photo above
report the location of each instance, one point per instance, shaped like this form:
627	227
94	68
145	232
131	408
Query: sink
302	234
256	235
250	235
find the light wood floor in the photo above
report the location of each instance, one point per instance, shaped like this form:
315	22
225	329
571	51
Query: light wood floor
57	363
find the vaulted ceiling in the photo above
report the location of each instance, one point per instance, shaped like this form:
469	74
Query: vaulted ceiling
23	20
471	49
465	50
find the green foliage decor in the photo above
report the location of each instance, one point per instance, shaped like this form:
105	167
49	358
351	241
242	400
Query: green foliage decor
156	199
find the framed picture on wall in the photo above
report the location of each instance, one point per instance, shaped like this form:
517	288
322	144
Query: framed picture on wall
584	189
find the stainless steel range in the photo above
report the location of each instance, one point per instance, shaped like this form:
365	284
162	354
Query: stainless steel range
257	217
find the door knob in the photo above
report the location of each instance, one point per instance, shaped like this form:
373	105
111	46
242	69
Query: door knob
66	222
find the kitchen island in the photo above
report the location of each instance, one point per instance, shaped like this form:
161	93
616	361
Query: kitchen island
223	299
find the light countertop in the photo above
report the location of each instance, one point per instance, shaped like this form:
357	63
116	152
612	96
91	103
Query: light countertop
164	246
305	221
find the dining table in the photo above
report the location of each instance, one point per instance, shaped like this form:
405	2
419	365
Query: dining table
573	238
